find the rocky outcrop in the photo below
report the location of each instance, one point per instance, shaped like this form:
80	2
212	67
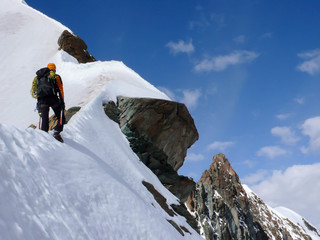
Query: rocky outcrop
168	125
221	204
75	46
159	132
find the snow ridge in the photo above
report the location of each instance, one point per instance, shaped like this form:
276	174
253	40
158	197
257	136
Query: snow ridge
89	187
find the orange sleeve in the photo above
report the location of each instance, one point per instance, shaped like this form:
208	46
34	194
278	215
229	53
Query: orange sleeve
60	86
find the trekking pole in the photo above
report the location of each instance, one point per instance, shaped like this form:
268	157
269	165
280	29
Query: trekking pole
61	116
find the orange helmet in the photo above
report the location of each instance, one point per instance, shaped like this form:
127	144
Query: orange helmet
51	66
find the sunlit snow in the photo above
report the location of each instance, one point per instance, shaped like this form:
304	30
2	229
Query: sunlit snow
89	187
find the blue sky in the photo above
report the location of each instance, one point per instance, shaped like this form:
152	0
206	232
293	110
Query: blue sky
247	70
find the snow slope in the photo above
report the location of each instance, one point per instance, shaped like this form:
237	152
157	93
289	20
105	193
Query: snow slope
89	187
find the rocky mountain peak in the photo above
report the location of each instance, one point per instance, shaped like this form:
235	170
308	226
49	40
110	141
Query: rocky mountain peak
223	179
221	204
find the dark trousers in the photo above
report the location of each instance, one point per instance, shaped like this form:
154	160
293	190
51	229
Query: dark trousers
44	106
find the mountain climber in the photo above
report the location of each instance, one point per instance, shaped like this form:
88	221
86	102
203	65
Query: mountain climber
47	88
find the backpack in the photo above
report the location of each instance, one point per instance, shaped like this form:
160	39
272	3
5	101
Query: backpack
46	85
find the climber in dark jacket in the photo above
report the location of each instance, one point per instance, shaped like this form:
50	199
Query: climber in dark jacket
47	87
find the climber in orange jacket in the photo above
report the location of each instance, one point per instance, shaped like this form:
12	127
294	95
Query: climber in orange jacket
47	88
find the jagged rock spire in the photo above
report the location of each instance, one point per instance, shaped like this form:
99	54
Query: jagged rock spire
222	206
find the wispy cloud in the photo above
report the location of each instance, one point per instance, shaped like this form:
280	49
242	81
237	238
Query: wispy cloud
192	157
250	163
299	100
255	178
191	97
203	20
311	128
286	134
266	35
220	146
240	39
311	64
222	62
283	116
293	188
180	47
218	19
271	152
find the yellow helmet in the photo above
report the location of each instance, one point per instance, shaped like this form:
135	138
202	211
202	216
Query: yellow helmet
51	66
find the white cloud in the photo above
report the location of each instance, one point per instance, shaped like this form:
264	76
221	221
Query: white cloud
220	146
311	64
255	177
295	188
192	157
283	116
271	151
222	62
286	134
311	128
180	47
299	100
240	39
190	97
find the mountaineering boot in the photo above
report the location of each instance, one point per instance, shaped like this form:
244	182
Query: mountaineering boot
57	136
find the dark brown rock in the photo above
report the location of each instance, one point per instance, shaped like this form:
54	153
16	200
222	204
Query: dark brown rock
166	124
161	200
33	126
112	111
159	132
173	223
68	114
75	46
182	210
